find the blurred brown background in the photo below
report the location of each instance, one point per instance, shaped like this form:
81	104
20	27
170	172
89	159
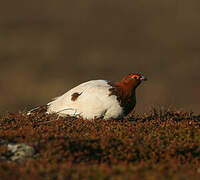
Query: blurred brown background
47	47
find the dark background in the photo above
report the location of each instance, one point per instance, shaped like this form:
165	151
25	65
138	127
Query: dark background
47	47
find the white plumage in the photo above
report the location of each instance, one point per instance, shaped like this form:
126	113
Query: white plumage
93	101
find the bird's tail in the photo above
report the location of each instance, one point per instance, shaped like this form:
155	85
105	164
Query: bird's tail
40	109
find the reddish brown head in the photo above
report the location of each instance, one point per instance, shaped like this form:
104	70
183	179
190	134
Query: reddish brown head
132	81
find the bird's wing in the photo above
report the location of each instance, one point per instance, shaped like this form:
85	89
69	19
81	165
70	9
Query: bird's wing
87	93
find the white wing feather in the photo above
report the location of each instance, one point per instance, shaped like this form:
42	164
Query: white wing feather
94	101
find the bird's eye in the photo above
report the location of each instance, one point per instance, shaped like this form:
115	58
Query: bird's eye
135	77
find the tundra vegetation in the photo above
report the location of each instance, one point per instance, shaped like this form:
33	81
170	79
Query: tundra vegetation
162	144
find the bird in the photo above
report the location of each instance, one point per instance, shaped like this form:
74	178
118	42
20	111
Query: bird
97	99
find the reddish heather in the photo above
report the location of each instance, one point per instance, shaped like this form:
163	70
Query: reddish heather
165	143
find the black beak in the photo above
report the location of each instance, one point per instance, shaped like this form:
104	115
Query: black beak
143	78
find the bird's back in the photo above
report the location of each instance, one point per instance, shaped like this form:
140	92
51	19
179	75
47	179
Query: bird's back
90	100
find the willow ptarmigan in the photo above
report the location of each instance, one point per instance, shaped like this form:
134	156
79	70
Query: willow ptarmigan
97	99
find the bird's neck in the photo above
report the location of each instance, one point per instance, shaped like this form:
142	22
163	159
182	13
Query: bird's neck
126	96
126	89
